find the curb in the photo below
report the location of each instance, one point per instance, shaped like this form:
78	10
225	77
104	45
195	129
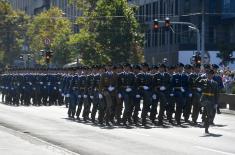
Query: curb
227	111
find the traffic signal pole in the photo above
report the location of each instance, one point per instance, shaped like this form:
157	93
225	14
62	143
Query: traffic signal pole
192	26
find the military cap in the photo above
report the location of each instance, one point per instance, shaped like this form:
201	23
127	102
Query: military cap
137	67
180	65
211	71
162	65
207	66
214	66
144	65
172	67
154	67
197	66
188	66
126	65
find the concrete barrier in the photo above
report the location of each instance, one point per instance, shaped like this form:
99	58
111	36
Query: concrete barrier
225	99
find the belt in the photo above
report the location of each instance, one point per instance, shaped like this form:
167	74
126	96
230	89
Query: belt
177	88
208	94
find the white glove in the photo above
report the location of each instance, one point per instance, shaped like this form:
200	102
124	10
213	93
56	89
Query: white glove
182	89
128	90
199	89
190	95
12	88
171	95
146	87
162	88
67	95
54	88
62	94
34	88
100	96
58	82
60	90
137	96
111	88
79	96
18	84
41	82
119	95
91	97
154	96
85	96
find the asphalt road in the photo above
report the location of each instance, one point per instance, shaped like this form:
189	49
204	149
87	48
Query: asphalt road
51	125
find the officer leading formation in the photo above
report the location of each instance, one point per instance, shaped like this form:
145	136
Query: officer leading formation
120	94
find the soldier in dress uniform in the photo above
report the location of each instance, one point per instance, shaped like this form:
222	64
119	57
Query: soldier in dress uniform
209	97
145	85
161	83
126	85
196	91
178	91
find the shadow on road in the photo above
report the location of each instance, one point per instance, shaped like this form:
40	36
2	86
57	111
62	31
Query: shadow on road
212	135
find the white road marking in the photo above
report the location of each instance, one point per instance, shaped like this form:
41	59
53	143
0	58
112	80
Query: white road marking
213	150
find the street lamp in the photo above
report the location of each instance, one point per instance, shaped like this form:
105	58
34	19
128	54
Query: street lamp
198	37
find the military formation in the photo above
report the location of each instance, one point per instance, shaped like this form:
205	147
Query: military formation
120	94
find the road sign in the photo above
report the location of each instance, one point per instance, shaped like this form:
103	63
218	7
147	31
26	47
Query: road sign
47	41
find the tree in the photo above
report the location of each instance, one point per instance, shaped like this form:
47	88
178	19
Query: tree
115	32
13	27
53	25
226	53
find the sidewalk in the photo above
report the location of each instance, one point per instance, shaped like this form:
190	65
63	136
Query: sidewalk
16	143
227	111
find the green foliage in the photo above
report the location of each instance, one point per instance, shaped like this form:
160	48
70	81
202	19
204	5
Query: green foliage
51	24
109	33
233	89
13	27
225	54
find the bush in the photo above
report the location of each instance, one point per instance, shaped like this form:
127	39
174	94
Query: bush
233	90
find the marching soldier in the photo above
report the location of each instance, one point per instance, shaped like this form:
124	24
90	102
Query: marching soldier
209	97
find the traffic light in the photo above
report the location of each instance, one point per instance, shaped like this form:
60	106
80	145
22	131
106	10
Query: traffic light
167	22
48	56
198	59
156	25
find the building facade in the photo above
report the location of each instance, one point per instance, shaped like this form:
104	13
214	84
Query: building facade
219	26
33	7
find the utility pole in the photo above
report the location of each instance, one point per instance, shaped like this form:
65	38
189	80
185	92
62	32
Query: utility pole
203	32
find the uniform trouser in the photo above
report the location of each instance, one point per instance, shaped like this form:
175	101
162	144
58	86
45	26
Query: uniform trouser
95	106
187	108
128	102
109	99
118	109
87	105
196	106
180	101
72	105
207	113
80	104
162	107
147	100
102	107
136	109
153	110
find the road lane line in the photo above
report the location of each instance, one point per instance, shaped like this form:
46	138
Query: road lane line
213	150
